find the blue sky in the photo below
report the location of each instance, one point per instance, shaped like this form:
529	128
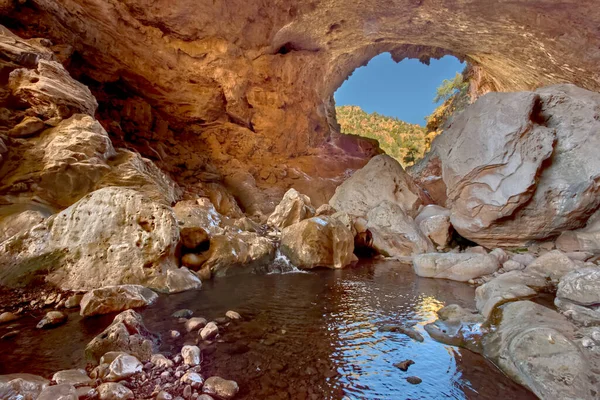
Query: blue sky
404	90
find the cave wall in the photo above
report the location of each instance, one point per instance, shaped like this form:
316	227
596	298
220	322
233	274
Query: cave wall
237	93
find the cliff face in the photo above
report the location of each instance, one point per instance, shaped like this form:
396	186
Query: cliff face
236	94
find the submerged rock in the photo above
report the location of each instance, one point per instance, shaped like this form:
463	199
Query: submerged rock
293	208
394	233
318	242
454	266
382	179
116	298
458	326
7	317
507	287
535	346
52	319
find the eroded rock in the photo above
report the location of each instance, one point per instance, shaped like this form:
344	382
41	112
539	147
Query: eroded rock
116	298
454	266
293	208
22	386
220	387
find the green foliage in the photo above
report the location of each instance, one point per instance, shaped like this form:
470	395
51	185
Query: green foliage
406	142
450	87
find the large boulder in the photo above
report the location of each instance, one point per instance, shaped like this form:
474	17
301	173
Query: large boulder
584	239
522	166
383	178
394	233
199	214
434	222
510	286
112	236
318	242
234	253
115	298
552	265
578	295
293	208
455	266
536	347
128	334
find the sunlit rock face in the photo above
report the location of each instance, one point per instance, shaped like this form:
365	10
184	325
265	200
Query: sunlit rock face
236	93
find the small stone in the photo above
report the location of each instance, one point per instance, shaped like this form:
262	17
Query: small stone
512	265
204	397
161	361
52	319
184	313
7	317
415	380
220	387
50	299
191	355
162	395
57	392
123	366
233	315
209	331
165	375
403	365
192	378
114	391
174	334
194	324
75	377
187	391
221	320
73	301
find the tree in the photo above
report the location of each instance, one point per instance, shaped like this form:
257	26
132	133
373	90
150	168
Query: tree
450	87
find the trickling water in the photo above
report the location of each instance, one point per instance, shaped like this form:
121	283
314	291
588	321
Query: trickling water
282	265
309	335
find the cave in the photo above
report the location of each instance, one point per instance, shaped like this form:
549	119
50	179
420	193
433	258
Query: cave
178	199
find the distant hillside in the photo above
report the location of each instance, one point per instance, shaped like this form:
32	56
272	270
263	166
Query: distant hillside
405	142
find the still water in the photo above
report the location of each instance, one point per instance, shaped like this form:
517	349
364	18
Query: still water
304	335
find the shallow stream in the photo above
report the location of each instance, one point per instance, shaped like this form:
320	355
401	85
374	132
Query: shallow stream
304	335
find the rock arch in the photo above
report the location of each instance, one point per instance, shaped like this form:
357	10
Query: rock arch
241	82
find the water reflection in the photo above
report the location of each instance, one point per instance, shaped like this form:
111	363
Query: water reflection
310	336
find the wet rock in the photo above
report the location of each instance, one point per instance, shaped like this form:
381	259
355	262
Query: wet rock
122	367
534	345
220	387
403	365
233	315
52	319
507	287
127	333
209	331
59	392
112	236
458	326
191	355
9	335
194	324
293	208
382	179
19	222
183	313
578	295
394	233
161	361
239	253
405	330
75	377
414	380
111	299
114	391
458	267
21	386
7	317
73	301
318	242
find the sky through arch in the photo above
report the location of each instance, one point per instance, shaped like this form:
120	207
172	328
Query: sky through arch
404	90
